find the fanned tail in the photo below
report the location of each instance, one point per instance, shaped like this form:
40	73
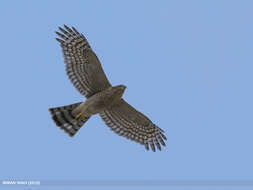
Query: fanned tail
63	118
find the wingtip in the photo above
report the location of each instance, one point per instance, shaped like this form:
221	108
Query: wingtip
60	41
158	145
161	140
152	146
75	30
163	136
65	26
146	146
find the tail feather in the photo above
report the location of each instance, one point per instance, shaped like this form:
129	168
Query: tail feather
63	118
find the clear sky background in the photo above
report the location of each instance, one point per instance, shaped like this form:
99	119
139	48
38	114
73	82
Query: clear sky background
187	65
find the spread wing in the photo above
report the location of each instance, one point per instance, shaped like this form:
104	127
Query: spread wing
82	65
126	121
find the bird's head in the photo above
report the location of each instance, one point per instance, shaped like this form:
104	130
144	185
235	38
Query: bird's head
119	90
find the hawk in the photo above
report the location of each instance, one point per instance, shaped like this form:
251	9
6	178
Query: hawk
86	74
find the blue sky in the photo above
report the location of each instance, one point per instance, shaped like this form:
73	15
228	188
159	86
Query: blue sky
187	65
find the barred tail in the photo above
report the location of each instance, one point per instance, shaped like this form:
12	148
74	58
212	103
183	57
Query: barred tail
63	118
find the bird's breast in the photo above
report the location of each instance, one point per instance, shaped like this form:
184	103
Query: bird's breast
100	101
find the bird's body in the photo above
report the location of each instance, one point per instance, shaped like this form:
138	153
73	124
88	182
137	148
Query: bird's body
99	102
86	74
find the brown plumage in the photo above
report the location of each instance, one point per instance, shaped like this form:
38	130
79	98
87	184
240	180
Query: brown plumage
86	74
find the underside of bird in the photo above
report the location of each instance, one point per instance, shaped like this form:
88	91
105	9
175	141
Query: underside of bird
87	75
70	118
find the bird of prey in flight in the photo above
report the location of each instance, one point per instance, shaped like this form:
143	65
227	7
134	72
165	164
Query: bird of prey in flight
87	75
